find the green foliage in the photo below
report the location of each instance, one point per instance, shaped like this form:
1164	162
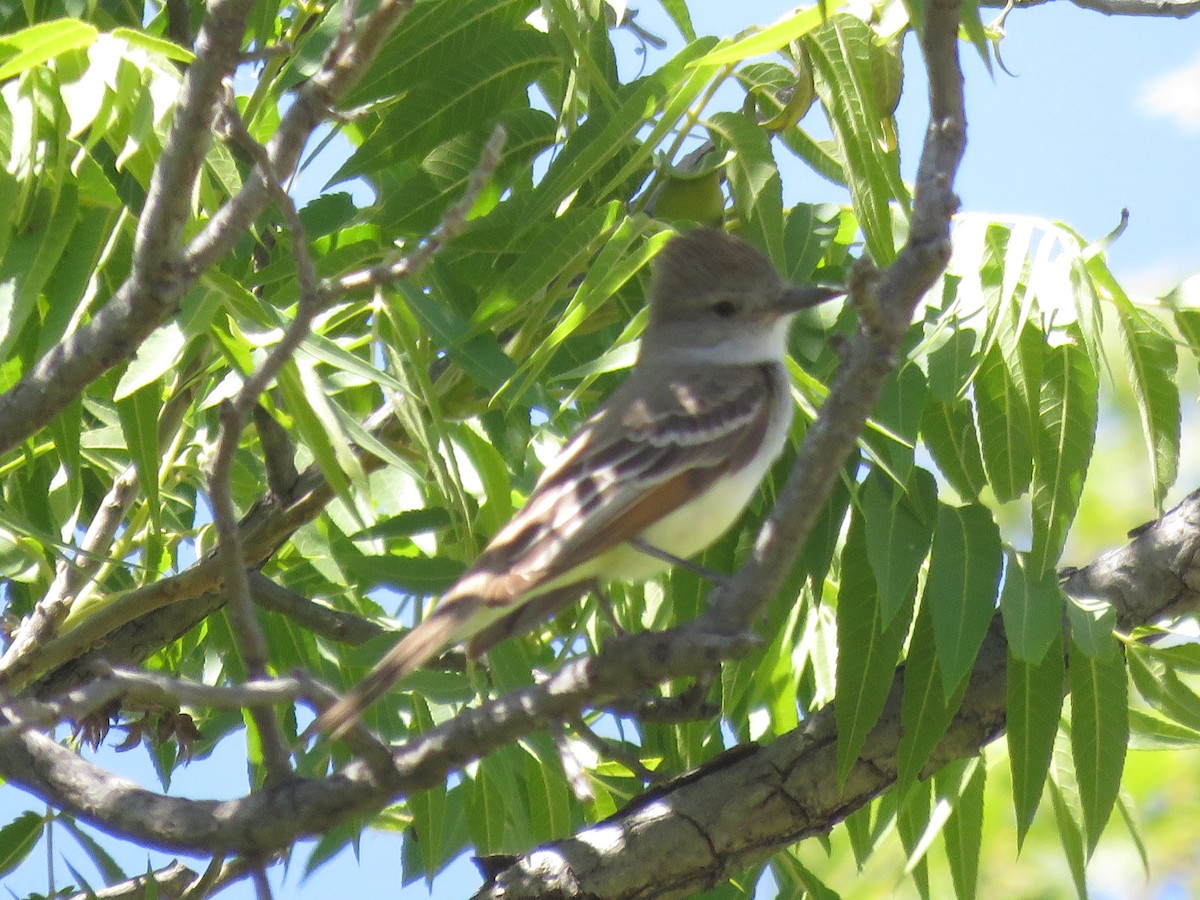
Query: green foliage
494	354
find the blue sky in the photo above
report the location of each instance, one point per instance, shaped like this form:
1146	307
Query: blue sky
1099	114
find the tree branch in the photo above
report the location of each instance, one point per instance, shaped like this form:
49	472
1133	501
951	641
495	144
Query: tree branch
787	790
729	815
1167	9
161	272
148	296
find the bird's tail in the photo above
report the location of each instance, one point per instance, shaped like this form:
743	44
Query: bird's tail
445	624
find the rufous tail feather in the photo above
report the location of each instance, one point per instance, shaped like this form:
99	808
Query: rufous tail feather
420	645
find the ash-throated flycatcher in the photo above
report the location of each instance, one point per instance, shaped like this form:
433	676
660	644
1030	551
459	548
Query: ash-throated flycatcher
670	459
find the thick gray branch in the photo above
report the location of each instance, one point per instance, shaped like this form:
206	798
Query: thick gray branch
739	809
1163	9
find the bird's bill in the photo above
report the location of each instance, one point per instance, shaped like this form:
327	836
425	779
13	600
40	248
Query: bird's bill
805	296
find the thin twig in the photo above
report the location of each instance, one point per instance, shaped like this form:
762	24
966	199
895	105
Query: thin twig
170	881
1158	9
148	689
343	627
248	635
452	224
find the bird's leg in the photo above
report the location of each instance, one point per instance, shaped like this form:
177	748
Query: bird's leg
695	568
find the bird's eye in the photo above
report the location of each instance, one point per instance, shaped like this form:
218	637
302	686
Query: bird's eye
724	308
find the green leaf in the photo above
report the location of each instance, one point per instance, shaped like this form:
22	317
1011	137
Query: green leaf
1035	698
867	652
912	823
963	833
40	43
480	355
488	799
808	232
154	44
1129	816
821	156
1004	420
1032	609
416	204
964	571
1067	431
949	432
461	91
549	795
422	576
18	838
952	363
770	39
898	413
432	35
1092	622
925	711
1162	688
840	50
155	356
622	255
818	550
30	262
899	531
973	26
1151	731
139	423
1153	368
101	859
556	251
1099	734
1071	839
754	182
294	390
405	524
678	11
796	880
594	143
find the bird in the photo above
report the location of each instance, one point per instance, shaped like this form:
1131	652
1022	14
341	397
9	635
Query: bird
662	468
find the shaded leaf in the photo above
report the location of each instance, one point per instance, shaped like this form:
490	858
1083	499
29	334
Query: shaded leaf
949	432
1099	735
899	530
867	652
964	571
18	838
925	710
1032	609
1035	698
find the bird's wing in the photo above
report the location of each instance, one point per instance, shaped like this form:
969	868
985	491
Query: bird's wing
642	456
